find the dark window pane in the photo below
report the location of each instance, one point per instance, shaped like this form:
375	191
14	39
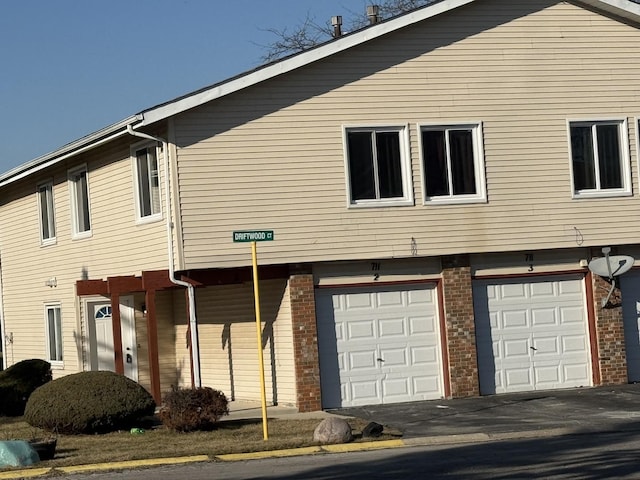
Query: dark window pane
609	156
462	164
361	173
435	163
389	164
582	158
143	183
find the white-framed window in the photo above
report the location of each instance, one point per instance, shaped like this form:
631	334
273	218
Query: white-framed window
53	328
378	166
46	213
147	182
599	151
452	161
80	206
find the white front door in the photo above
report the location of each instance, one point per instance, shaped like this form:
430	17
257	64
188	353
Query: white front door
102	346
531	334
379	345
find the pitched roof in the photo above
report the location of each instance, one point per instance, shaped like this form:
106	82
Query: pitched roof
625	9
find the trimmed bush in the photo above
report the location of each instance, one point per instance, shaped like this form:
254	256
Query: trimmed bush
88	402
189	409
18	382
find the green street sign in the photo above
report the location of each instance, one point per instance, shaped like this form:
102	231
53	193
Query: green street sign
253	236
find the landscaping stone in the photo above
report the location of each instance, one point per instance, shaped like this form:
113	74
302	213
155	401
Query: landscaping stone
333	430
372	430
17	453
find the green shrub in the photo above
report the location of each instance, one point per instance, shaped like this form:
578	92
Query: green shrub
18	382
189	409
88	402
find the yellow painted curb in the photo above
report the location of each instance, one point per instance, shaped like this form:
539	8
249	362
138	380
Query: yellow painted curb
133	463
32	472
355	447
292	452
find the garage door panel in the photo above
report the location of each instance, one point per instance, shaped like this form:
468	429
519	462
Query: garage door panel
574	344
362	361
364	391
572	315
397	324
422	325
390	299
357	301
361	330
548	376
392	327
424	355
518	379
544	317
547	314
514	348
394	357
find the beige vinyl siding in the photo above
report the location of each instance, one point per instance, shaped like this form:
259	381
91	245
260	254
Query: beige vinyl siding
117	247
228	341
166	340
271	157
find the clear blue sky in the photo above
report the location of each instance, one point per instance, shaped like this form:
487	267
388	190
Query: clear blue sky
71	67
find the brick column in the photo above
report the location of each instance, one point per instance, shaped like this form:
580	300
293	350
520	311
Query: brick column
609	333
305	339
461	329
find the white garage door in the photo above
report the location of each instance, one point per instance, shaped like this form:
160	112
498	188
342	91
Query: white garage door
378	345
531	335
630	286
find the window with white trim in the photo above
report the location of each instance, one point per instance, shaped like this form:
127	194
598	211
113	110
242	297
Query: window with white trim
599	158
452	163
53	321
47	213
378	169
147	179
80	209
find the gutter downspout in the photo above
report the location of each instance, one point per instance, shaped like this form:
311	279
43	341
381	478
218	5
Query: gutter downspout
193	323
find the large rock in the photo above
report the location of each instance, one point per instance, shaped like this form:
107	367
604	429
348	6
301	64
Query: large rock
17	453
333	430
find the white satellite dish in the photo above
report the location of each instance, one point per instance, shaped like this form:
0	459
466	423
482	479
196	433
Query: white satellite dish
610	267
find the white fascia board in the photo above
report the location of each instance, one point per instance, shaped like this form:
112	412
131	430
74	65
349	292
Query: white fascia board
69	150
300	60
622	8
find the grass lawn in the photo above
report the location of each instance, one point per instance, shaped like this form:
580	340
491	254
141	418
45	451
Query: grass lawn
231	436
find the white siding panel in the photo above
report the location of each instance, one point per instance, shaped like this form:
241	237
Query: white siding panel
117	247
521	69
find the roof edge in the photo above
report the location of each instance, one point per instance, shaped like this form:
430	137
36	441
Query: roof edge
69	150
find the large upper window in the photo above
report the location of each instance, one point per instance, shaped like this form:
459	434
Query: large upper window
377	166
452	163
599	158
53	321
79	189
147	183
47	213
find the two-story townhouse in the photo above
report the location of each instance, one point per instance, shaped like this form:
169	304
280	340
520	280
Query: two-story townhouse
436	183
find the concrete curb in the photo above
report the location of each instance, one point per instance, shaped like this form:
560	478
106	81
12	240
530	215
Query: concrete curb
339	448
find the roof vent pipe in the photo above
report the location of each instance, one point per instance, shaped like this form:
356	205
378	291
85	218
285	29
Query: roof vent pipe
337	26
372	13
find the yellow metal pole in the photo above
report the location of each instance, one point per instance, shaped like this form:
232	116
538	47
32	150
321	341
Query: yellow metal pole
256	296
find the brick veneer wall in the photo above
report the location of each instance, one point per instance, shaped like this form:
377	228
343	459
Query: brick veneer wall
609	333
461	331
305	340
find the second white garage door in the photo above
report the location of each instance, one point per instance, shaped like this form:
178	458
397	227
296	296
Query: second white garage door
378	345
531	335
